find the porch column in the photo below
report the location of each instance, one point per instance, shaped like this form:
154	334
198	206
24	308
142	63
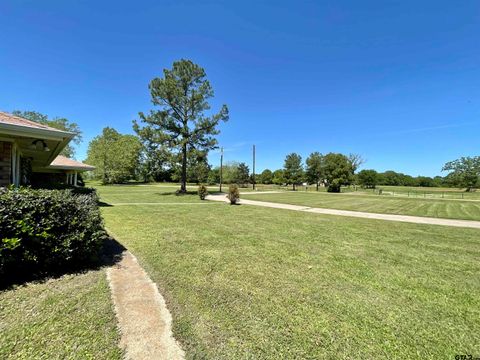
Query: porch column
75	179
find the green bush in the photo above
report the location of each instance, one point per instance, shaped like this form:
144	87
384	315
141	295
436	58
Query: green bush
47	230
233	194
202	192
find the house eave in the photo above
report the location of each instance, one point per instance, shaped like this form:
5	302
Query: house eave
61	137
76	168
18	130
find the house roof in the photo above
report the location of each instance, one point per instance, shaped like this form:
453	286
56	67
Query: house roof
24	131
10	119
64	163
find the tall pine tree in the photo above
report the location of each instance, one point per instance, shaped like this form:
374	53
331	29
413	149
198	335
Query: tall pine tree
181	123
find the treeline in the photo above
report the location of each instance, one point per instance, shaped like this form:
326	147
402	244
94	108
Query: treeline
173	140
119	158
371	178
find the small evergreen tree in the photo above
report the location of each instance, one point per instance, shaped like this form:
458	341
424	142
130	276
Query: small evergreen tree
293	169
243	174
315	171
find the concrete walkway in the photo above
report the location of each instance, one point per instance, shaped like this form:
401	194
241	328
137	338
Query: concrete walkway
358	214
144	320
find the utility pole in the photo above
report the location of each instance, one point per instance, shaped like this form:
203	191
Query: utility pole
221	166
253	177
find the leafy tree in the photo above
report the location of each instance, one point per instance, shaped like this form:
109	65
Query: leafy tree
452	180
278	177
367	178
464	172
315	172
243	174
407	180
181	123
266	177
293	169
214	176
199	172
338	171
115	156
230	172
438	181
155	164
424	181
390	178
197	167
57	123
393	178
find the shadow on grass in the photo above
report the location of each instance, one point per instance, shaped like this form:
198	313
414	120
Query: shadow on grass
103	204
177	193
109	254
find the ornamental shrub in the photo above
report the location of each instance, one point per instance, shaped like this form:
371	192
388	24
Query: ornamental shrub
47	230
202	192
233	194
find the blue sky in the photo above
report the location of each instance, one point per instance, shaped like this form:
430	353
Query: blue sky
395	81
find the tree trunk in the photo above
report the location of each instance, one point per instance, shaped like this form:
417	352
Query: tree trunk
317	185
183	186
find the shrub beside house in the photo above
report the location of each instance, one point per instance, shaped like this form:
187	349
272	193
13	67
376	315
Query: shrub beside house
47	230
43	230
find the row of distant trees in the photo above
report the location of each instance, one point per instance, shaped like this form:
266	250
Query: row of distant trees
119	158
173	140
122	157
463	173
371	178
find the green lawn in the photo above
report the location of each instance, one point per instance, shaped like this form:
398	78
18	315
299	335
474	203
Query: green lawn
70	317
450	209
258	283
118	194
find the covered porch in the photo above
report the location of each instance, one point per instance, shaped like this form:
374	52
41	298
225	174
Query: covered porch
29	153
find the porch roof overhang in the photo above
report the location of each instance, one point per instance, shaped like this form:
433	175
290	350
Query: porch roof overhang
64	163
24	132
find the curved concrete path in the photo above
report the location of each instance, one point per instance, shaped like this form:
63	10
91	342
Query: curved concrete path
358	214
143	317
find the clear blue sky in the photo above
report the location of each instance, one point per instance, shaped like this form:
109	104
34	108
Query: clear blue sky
395	81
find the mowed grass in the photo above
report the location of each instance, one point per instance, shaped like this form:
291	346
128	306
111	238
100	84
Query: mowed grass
153	193
70	317
449	209
250	282
145	193
421	189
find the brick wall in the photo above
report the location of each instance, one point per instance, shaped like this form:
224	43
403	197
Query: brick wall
5	162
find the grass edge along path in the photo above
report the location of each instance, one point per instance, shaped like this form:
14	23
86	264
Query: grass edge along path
359	214
448	209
